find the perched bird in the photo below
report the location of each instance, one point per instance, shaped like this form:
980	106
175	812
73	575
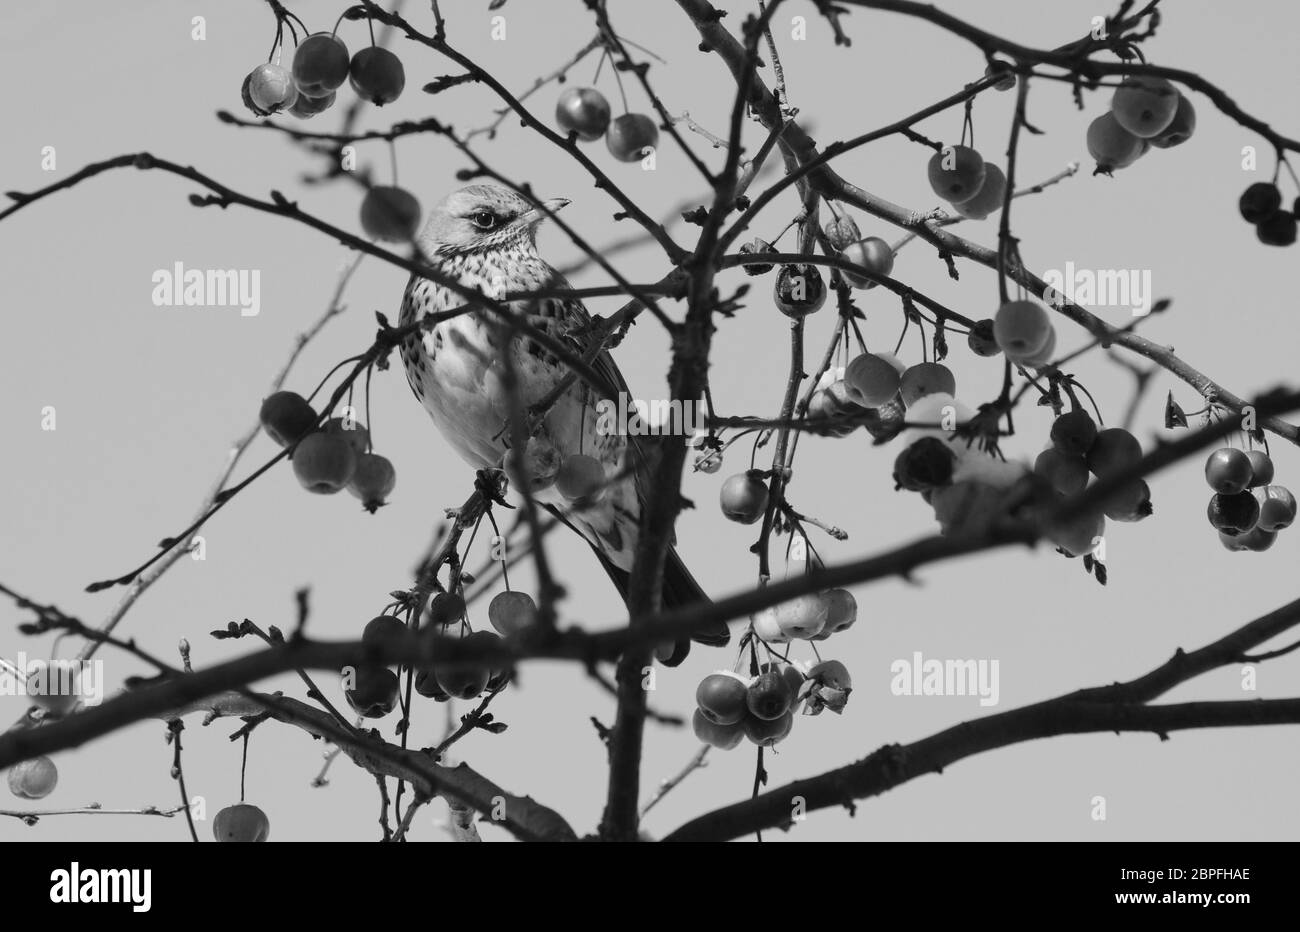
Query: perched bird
484	236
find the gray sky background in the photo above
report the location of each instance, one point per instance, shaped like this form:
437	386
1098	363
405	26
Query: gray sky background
149	398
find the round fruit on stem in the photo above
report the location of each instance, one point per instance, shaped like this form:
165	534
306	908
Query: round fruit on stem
768	733
831	673
391	214
1074	432
841	231
1277	507
762	247
583	110
768	696
1256	539
351	430
631	137
1233	514
1277	229
841	612
461	682
1145	105
34	778
1021	328
1228	471
1112	145
287	417
1259	201
722	698
374	691
1261	468
1182	127
373	481
989	198
956	173
1131	502
1078	536
874	255
1114	450
445	608
926	378
803	617
872	379
383	630
304	108
743	498
320	64
799	290
766	627
926	463
426	684
512	611
377	75
1066	473
271	88
324	463
982	339
581	479
241	822
717	735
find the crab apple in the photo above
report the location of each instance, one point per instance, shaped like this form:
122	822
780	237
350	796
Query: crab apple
956	173
271	88
1234	542
841	395
1112	145
1114	450
965	505
926	378
1006	77
874	255
988	199
512	611
242	822
446	608
1074	432
304	108
743	498
373	481
788	672
768	696
768	733
581	479
1043	356
832	673
382	630
377	75
723	736
1144	105
461	682
982	338
1067	473
351	430
1261	468
426	684
320	64
630	135
802	617
1277	507
709	463
34	778
1021	328
389	213
374	691
583	110
1228	471
287	417
925	464
872	379
499	675
841	231
799	290
1278	229
841	612
324	463
1078	536
1130	502
672	653
721	697
1256	539
766	627
1233	514
1259	201
1180	129
757	246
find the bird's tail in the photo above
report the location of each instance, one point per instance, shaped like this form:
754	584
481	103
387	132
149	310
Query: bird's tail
679	590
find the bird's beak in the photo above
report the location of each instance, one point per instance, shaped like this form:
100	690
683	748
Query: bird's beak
537	214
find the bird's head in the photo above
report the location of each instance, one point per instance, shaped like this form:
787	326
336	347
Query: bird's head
483	218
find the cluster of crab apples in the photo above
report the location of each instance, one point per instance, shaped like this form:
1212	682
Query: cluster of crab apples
1261	205
321	65
584	112
762	707
331	457
1144	112
1247	509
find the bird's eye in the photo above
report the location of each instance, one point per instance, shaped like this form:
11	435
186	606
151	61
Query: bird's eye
484	220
